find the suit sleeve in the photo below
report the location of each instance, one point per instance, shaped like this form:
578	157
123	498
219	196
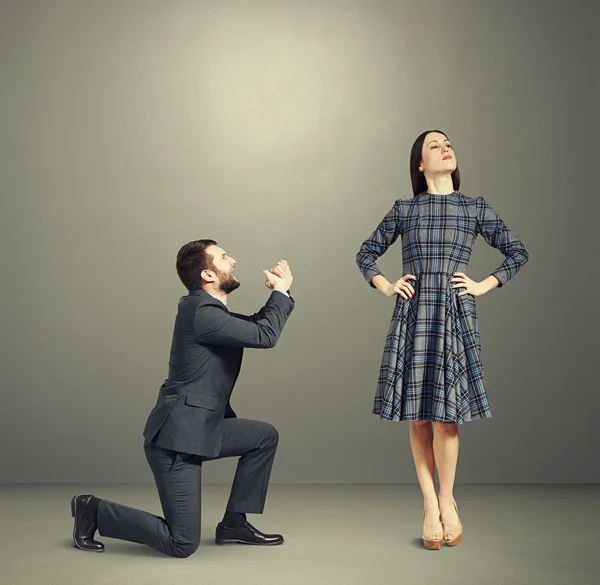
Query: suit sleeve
497	235
252	318
379	241
213	325
256	316
240	316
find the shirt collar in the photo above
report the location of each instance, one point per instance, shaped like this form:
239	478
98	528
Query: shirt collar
218	299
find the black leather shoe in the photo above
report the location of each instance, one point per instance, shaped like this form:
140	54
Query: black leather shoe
245	534
85	524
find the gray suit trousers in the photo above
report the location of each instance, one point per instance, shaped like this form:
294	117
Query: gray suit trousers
178	480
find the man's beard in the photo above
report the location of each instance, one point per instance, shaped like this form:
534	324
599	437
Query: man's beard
228	282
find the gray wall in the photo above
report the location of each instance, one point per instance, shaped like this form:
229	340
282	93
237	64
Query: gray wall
282	129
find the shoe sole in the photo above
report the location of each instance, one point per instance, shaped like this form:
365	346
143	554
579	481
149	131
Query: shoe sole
73	514
432	544
455	541
237	541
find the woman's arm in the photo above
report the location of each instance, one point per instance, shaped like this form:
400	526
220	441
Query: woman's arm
379	241
497	235
381	283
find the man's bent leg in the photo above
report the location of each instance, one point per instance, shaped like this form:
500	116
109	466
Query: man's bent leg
256	443
178	480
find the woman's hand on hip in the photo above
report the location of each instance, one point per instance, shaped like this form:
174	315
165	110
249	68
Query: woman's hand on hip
402	287
471	287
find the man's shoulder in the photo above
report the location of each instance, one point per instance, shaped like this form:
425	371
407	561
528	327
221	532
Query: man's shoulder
200	305
199	298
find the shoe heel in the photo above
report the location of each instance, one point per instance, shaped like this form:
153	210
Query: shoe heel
73	506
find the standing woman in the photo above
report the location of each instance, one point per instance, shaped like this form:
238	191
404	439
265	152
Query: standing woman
431	373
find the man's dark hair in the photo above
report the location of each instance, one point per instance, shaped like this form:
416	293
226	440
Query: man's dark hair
192	259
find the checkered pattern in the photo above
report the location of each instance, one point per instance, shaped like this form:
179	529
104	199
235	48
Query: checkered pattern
431	367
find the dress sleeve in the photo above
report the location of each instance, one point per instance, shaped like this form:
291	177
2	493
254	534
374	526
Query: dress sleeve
497	235
379	241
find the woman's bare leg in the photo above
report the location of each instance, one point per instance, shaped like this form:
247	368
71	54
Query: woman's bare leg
445	447
421	442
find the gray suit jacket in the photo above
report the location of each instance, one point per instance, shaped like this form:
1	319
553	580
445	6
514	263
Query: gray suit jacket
205	361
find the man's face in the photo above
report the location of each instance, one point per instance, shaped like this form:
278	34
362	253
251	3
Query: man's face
223	266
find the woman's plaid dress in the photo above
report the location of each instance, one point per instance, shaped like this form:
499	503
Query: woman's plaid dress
431	367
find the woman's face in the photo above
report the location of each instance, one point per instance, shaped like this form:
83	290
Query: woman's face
437	155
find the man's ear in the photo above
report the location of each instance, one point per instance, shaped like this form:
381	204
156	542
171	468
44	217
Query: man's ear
208	276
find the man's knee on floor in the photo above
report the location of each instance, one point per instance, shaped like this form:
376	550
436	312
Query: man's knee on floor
183	551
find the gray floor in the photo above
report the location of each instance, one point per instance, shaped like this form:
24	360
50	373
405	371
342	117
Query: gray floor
335	535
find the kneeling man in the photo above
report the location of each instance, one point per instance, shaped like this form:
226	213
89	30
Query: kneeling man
193	421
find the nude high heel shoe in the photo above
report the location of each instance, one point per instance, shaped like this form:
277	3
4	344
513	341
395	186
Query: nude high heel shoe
455	530
432	535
